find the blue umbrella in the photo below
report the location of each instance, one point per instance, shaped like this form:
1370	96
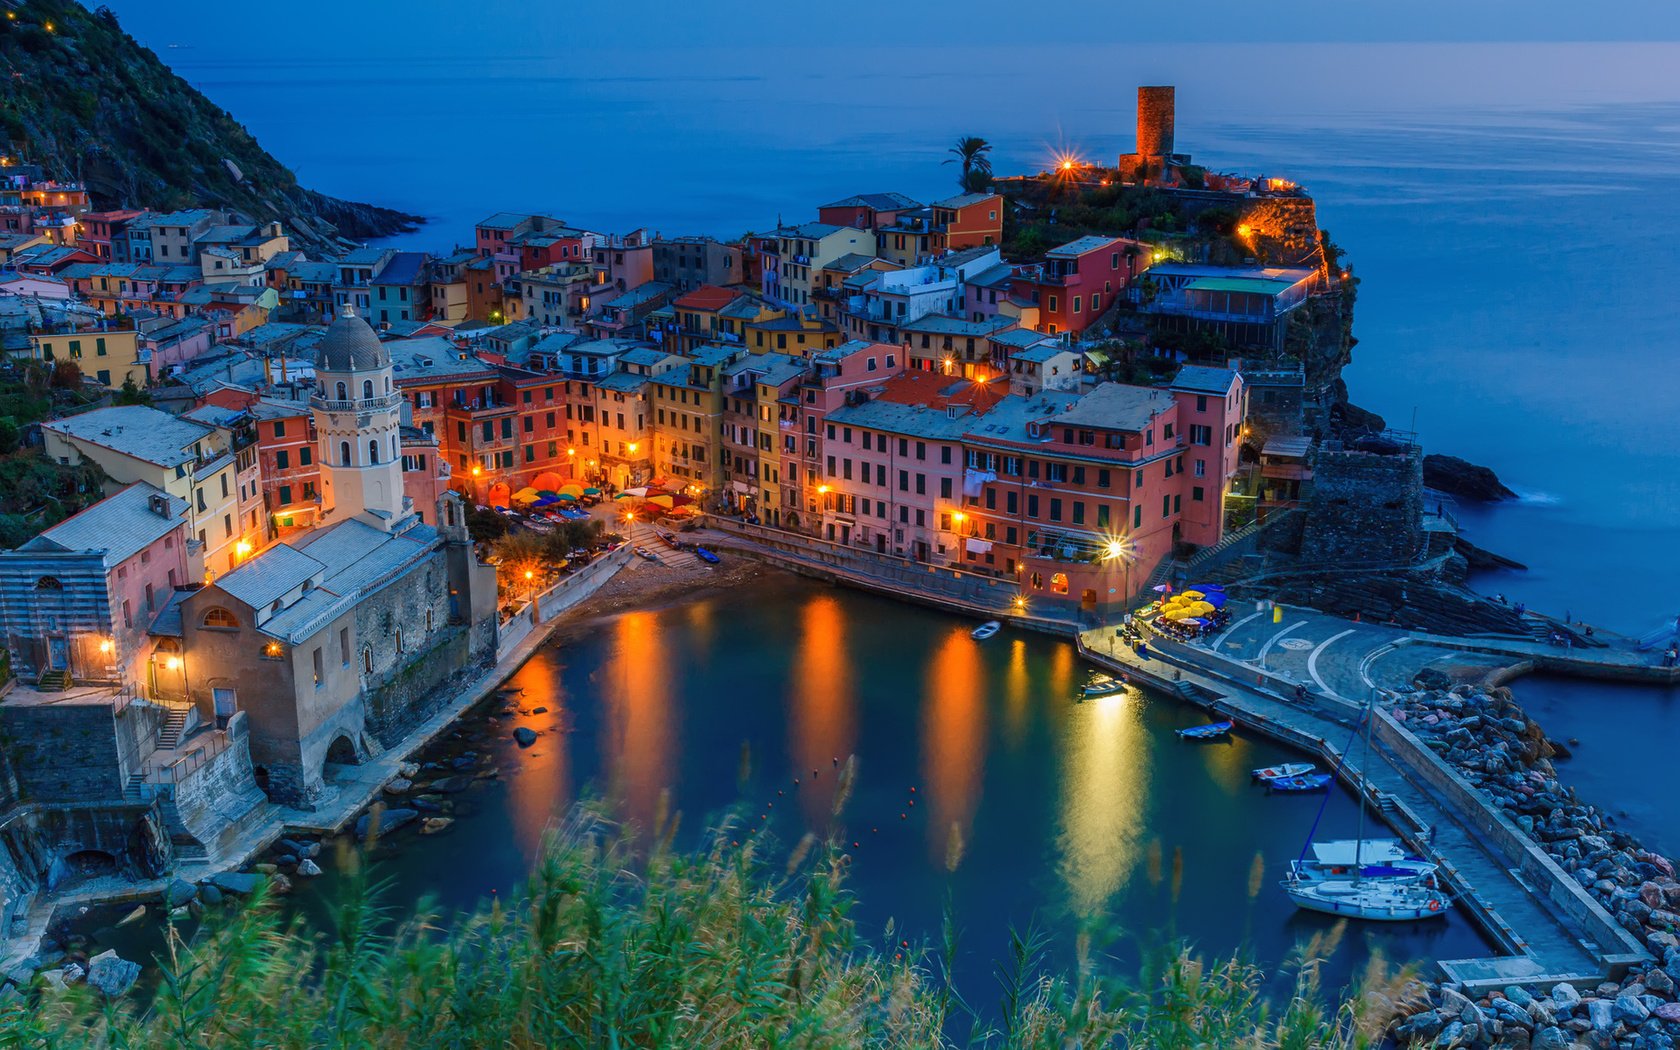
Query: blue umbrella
1206	587
547	501
1215	599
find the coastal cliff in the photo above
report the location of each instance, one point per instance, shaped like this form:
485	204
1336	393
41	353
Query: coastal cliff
86	101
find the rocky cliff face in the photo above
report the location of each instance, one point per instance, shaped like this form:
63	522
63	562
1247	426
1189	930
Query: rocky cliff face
86	101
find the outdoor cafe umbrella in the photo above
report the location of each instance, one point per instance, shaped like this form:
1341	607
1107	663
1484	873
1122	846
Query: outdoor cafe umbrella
547	493
547	501
566	497
526	495
661	501
1200	609
1162	588
1215	599
1176	614
592	491
1193	595
571	490
639	492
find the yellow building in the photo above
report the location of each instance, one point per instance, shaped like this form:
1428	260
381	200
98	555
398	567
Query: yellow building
799	334
687	422
105	357
213	468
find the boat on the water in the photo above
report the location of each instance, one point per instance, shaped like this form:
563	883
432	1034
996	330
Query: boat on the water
706	556
1287	769
1300	782
1211	731
1380	900
985	630
1102	685
1357	879
1375	859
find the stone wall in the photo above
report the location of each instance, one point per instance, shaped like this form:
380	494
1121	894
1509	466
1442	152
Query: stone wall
209	800
406	697
1366	508
64	752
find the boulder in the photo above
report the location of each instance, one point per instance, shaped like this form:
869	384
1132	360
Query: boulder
73	973
525	737
408	770
387	821
1550	1038
398	786
450	785
1599	1014
209	894
308	868
1669	1012
179	893
433	825
111	973
1451	1035
539	710
1659	982
280	883
238	883
1630	1009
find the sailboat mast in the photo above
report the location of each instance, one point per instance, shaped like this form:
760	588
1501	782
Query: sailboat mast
1364	780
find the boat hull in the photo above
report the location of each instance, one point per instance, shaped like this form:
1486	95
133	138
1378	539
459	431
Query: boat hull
1370	902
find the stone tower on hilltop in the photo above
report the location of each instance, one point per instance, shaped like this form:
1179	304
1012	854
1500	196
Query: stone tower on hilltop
357	415
1154	160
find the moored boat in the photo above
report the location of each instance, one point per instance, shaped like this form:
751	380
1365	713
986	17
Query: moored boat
1380	900
1374	859
985	630
706	556
1210	731
1102	685
1287	769
1300	782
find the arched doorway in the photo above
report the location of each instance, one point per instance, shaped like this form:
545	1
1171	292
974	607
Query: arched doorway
342	752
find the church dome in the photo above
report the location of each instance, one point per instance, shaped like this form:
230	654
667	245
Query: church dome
350	345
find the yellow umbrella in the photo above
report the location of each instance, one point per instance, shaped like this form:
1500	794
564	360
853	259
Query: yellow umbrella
577	490
527	495
1177	600
1201	609
662	501
1192	595
1175	614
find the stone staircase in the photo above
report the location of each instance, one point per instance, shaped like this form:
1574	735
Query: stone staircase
174	724
53	681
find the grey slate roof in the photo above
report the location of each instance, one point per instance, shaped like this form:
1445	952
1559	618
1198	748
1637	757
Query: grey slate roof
1201	379
140	431
1116	406
266	577
356	560
878	201
121	525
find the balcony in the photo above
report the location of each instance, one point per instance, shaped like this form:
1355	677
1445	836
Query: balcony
382	403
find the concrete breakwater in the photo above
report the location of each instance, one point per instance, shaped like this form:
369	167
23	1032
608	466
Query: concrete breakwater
1496	747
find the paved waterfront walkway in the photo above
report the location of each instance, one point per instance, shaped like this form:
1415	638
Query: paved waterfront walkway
1546	945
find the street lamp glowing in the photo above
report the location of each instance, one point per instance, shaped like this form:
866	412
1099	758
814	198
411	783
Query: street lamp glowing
1245	230
632	448
822	490
571	452
476	472
629	515
105	646
1020	603
529	575
1115	548
173	663
959	517
242	548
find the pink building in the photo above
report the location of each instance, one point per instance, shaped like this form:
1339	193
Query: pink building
81	597
894	464
1212	406
1078	281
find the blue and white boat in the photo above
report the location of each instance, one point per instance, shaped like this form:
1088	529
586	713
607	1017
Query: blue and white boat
1211	731
985	630
706	556
1374	859
1300	782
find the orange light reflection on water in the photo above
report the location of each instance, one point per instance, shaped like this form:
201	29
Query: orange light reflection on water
822	723
953	738
1017	693
638	728
541	784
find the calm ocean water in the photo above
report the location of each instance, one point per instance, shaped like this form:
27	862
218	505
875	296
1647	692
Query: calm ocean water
1509	208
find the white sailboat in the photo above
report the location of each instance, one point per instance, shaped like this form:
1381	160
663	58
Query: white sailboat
1374	885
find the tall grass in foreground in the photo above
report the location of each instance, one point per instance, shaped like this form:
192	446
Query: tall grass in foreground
619	942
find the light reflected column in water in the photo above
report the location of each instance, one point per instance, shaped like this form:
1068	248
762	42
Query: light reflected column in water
540	786
953	739
823	707
639	727
1105	792
1017	693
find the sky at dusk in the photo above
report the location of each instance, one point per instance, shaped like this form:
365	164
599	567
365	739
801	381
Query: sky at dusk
522	27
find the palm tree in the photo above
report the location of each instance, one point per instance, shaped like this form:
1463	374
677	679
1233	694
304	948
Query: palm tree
971	150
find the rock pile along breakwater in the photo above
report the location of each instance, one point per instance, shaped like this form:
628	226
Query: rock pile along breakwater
1492	743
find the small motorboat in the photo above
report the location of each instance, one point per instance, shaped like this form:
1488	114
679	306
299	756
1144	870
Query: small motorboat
643	552
706	556
1288	769
985	630
1300	782
1211	731
1102	685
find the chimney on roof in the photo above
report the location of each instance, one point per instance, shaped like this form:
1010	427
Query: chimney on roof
158	504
